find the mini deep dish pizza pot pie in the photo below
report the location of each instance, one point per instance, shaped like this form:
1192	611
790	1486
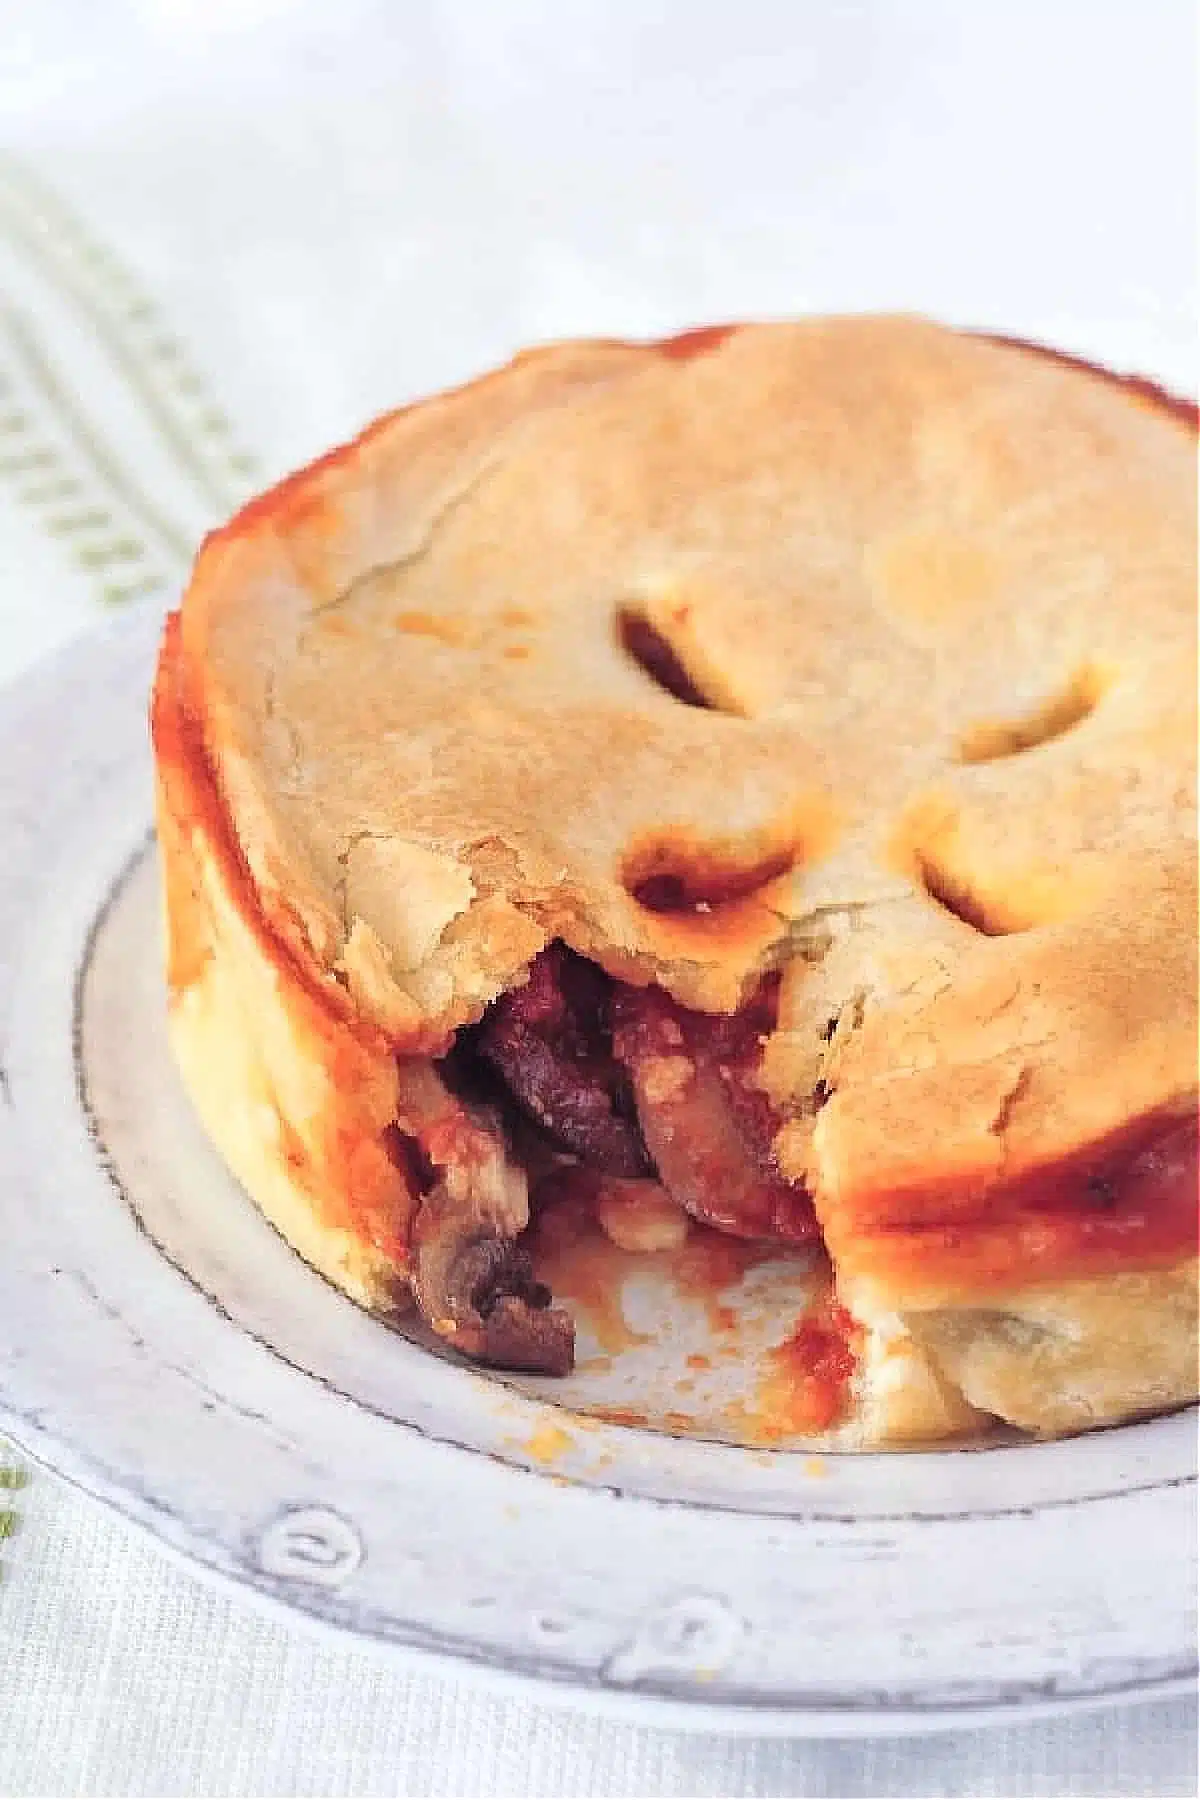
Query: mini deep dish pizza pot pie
749	780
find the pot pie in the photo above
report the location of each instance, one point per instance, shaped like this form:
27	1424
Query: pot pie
746	779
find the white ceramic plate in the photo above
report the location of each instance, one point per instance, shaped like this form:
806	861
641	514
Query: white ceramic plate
163	1349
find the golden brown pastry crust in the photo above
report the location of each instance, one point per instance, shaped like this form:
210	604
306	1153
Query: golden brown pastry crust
939	592
296	1095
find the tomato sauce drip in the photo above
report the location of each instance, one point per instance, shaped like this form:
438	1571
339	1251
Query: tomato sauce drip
710	1266
575	1258
578	1263
807	1386
697	342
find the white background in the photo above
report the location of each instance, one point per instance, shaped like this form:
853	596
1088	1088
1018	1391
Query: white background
341	205
348	204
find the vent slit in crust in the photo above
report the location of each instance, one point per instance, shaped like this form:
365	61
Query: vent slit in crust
947	889
1074	702
645	645
675	879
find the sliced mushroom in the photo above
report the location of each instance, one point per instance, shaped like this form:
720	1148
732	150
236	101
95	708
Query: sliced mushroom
549	1042
480	1295
471	1276
696	1122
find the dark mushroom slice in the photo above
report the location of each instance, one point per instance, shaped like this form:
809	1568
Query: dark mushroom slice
549	1042
480	1295
706	1124
472	1278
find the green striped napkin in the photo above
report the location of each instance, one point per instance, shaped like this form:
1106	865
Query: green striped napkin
12	1477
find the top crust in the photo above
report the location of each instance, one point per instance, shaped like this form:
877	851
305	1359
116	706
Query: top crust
939	595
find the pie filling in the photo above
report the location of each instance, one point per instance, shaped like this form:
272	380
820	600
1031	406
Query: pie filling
578	1087
579	1091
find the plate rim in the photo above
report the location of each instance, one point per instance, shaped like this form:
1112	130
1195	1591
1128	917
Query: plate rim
626	1704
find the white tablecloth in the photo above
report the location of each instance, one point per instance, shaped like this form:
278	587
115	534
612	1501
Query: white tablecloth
319	211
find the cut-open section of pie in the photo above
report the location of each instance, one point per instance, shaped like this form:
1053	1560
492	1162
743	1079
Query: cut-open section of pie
737	789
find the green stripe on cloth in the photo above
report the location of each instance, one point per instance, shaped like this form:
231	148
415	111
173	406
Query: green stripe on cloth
12	1477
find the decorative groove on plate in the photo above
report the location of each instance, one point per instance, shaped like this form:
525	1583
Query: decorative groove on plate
132	330
808	1515
696	1635
1002	1700
313	1544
